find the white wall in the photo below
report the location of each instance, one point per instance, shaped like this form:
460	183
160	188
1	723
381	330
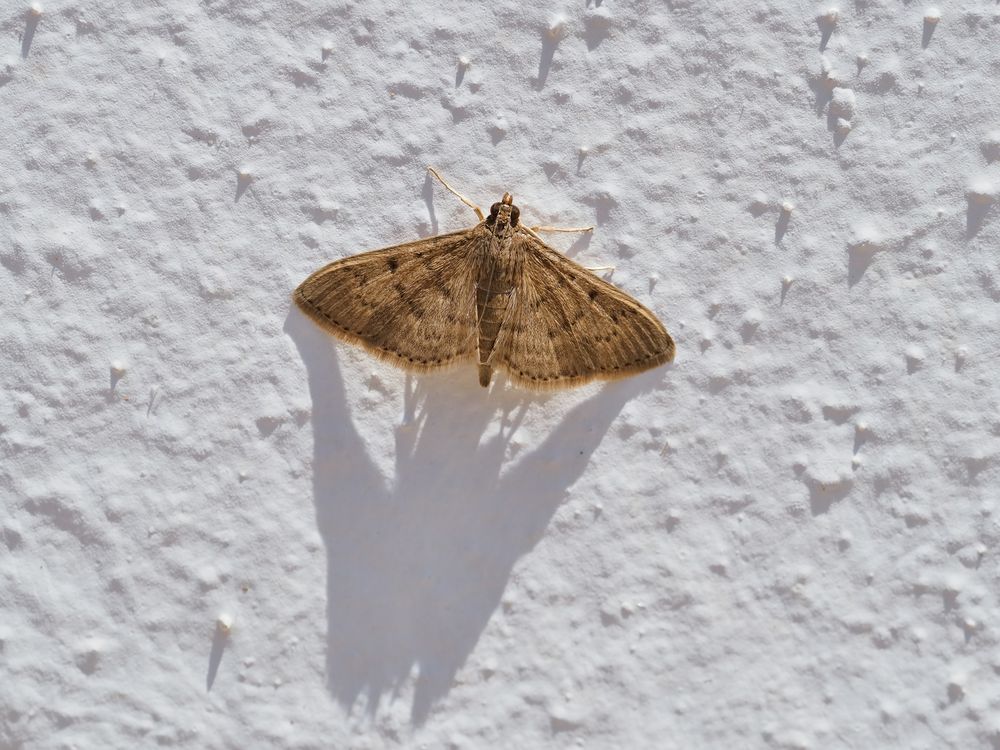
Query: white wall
786	539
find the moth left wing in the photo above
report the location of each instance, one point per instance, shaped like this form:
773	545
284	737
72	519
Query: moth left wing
412	305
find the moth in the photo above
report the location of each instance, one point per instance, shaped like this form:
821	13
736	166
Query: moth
494	294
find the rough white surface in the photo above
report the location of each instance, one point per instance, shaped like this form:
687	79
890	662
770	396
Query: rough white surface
220	530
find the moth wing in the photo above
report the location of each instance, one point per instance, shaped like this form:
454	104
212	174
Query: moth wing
412	304
569	326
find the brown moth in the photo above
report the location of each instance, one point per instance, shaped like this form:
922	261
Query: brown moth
494	294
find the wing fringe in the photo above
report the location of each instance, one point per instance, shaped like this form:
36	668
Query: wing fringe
560	382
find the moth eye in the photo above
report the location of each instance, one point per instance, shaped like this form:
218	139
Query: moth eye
494	209
515	212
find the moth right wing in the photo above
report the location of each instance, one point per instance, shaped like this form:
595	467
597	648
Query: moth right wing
569	326
413	305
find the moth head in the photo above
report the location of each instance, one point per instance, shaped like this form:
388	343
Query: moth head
505	211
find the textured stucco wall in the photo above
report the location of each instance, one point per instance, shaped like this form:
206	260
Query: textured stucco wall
786	539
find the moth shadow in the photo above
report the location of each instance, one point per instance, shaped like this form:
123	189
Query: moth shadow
417	563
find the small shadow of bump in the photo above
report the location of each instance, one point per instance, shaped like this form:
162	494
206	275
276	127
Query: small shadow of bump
215	658
718	383
596	29
823	92
976	465
859	257
826	31
860	438
603	204
242	183
784	292
29	33
928	33
549	43
839	136
115	377
459	75
838	414
823	496
975	216
781	227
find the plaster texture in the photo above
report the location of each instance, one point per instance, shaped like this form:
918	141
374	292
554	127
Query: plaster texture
787	539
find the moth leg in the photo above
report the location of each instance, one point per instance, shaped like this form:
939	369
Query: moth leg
531	231
466	201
